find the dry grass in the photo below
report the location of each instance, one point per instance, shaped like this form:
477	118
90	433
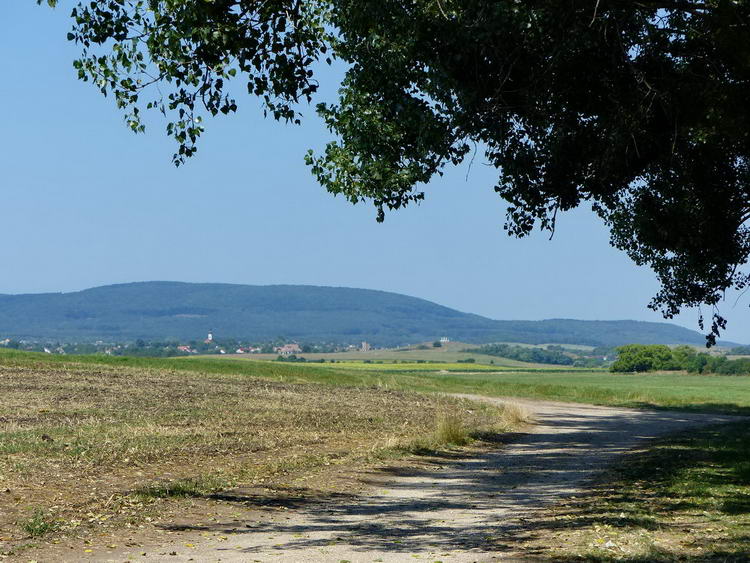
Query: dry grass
514	414
451	429
92	446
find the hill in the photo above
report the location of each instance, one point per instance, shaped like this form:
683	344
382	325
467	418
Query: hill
186	311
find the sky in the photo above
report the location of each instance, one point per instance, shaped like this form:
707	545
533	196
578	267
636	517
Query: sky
85	202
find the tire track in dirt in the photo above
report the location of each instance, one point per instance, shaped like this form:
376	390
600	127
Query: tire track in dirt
459	511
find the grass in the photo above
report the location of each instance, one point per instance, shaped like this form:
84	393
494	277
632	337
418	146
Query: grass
412	367
39	524
705	393
687	498
101	443
123	434
450	430
448	353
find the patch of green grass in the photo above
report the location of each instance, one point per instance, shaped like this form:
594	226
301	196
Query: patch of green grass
686	498
416	367
451	352
39	524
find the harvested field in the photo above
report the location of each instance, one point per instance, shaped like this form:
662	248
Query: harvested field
87	448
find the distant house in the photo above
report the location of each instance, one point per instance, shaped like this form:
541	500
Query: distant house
365	347
444	340
186	349
248	350
288	349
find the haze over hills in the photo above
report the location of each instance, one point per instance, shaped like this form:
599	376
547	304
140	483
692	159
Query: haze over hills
186	311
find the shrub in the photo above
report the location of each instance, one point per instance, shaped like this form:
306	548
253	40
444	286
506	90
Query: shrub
39	524
644	357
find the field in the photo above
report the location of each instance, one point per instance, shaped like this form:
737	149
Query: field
94	443
449	353
89	445
673	390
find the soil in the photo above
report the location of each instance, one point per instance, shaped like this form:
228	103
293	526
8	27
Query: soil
470	508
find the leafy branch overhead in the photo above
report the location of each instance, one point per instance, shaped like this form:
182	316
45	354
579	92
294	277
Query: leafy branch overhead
191	49
636	108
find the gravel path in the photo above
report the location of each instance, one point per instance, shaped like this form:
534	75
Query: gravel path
447	512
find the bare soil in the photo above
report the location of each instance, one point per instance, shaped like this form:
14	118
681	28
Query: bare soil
464	508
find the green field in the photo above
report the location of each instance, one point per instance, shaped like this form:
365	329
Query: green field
673	390
437	367
449	353
666	390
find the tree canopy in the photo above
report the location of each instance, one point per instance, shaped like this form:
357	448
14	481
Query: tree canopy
656	357
638	109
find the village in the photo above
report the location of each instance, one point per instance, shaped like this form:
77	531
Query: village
284	350
207	346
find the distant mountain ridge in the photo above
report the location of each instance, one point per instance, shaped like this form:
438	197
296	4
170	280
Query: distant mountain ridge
186	311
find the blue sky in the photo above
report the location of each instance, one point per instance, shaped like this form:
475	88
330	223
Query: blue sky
86	203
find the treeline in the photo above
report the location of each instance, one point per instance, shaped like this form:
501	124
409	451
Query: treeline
657	357
525	354
720	365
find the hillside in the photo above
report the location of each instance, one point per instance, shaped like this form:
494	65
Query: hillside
185	311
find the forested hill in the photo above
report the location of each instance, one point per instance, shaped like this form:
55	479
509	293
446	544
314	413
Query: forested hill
186	311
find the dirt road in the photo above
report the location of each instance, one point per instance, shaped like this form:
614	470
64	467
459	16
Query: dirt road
457	511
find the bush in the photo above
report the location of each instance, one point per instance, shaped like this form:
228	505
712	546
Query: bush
732	367
644	357
641	357
292	358
697	364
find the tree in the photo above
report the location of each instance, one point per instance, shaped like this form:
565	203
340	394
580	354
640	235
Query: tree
636	108
683	357
643	357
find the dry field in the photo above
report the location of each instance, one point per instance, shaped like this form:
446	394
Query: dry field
88	449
